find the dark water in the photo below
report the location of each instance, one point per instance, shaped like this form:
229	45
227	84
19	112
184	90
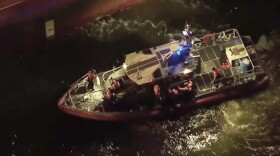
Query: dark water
31	124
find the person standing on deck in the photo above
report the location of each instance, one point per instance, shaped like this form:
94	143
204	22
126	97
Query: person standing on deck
157	93
226	65
216	74
187	87
115	85
90	78
187	31
216	77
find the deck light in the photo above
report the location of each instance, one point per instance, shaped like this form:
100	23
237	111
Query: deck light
124	66
186	71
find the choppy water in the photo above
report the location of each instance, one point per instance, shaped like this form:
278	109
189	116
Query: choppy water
31	85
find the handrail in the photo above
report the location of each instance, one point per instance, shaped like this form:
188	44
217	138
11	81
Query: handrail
77	81
73	104
110	71
231	76
239	77
225	34
213	35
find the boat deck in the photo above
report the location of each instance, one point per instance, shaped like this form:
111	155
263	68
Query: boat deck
203	57
213	55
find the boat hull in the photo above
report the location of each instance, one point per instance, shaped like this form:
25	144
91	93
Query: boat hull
167	111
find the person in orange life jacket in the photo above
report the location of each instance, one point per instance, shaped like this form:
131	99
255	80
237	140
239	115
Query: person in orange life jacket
108	94
157	92
173	91
226	65
216	76
187	87
115	85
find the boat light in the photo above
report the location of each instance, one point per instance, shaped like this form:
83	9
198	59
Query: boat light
186	71
124	66
179	50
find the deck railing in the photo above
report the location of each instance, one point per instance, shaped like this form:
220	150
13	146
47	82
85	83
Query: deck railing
213	38
109	71
237	77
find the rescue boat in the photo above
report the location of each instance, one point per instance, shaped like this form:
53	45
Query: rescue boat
169	79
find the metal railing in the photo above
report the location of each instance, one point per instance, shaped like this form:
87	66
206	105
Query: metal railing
237	77
112	70
97	103
220	36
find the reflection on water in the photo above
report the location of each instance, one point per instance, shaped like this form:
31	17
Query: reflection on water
34	126
242	126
